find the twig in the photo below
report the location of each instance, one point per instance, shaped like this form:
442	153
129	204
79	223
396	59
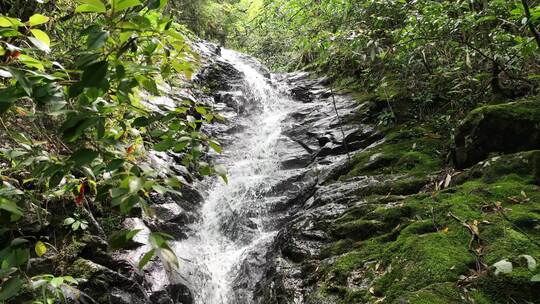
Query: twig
533	29
340	126
88	213
463	223
433	219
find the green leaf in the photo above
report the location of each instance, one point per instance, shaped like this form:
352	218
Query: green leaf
180	146
121	5
8	96
487	18
57	282
91	6
69	221
135	184
156	4
97	39
21	256
10	288
39	44
10	206
94	75
18	241
83	157
71	280
37	19
169	257
42	36
5	74
220	169
164	145
146	258
122	239
215	146
21	80
9	22
30	61
40	248
157	240
4	273
140	122
222	172
115	164
159	189
205	169
536	278
201	110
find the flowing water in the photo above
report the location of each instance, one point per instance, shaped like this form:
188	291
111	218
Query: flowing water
233	215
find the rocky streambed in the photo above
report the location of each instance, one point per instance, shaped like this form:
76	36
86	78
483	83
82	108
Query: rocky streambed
323	205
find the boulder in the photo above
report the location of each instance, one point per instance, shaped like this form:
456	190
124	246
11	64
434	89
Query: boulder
302	93
97	278
219	76
504	128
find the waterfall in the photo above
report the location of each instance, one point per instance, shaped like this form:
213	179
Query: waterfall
233	215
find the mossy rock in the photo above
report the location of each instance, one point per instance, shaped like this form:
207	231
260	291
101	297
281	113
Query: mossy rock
424	252
504	128
359	229
97	279
441	293
415	151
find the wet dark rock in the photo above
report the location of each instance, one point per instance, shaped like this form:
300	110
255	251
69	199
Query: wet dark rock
41	265
99	278
173	294
300	161
118	296
250	272
177	209
219	75
75	296
504	128
239	228
302	94
233	100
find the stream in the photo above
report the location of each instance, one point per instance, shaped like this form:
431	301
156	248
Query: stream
234	220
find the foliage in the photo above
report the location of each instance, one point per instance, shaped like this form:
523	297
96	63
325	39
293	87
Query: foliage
210	19
451	52
75	223
78	77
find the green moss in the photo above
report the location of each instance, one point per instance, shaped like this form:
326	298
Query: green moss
413	151
69	252
84	269
341	268
536	166
339	247
422	244
359	229
503	242
419	261
512	288
443	293
356	212
503	128
528	109
418	228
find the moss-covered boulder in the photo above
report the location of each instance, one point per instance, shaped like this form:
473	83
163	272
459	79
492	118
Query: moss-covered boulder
436	247
504	128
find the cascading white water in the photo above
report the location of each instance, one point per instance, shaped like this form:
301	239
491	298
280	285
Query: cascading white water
232	213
